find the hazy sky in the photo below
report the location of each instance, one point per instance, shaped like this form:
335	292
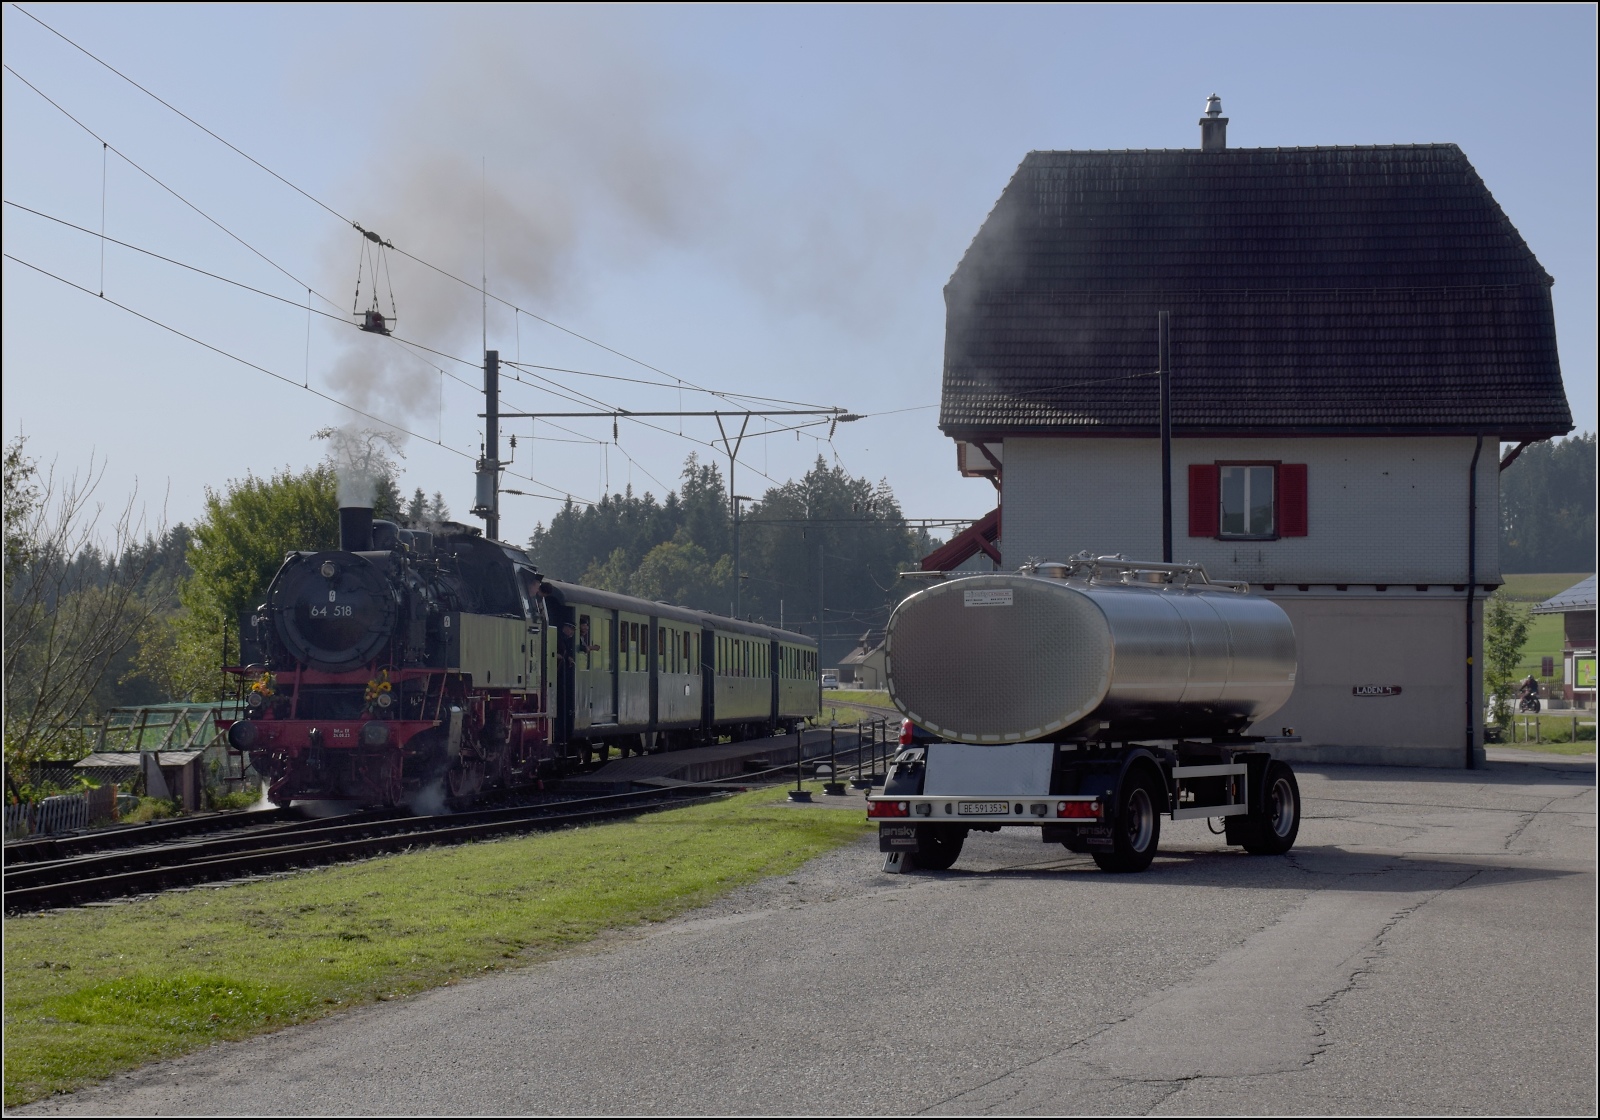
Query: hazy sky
762	201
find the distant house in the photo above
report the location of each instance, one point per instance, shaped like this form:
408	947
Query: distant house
1354	331
863	667
1576	606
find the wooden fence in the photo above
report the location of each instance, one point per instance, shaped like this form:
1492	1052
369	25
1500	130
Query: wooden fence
60	814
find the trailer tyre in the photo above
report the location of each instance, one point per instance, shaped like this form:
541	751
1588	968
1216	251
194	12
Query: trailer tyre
1273	830
939	846
1136	829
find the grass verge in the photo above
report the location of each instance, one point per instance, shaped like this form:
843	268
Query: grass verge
878	697
843	715
95	991
1578	749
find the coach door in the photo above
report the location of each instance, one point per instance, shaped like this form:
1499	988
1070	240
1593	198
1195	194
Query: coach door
595	660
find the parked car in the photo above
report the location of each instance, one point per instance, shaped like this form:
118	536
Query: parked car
830	678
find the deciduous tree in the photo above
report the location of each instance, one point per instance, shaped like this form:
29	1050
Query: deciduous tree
1505	632
69	612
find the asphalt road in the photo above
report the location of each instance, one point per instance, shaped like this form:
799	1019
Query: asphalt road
1429	947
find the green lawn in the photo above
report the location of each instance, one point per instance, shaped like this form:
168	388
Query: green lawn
875	696
94	991
1545	635
1575	749
843	715
1552	728
1536	587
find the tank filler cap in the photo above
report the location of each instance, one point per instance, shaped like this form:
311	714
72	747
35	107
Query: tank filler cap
1052	569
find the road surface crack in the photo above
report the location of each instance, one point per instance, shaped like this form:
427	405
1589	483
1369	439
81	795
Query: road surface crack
1377	951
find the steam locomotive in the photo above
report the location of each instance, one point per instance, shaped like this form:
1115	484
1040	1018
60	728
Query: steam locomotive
441	663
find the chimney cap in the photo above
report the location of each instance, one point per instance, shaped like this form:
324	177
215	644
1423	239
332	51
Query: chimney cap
1213	106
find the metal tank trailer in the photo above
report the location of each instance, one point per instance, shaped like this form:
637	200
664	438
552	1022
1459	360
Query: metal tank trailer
1086	699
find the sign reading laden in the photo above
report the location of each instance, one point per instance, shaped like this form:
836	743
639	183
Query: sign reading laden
1375	690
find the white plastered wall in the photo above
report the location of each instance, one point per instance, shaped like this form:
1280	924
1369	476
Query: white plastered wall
1349	641
1382	511
1389	510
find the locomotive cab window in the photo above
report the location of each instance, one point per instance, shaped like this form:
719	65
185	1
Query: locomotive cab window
1249	501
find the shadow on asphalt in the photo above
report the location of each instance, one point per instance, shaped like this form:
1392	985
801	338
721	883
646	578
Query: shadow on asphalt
1304	868
1534	771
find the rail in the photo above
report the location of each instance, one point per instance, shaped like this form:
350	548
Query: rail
172	860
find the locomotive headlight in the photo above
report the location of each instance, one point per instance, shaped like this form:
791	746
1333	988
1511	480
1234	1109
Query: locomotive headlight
328	570
384	699
254	700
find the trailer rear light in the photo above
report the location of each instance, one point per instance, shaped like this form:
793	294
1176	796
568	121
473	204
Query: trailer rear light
906	733
1081	810
888	809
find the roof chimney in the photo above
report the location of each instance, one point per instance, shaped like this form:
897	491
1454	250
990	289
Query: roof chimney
1213	127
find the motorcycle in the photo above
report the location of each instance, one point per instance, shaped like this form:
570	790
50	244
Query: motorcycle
1529	704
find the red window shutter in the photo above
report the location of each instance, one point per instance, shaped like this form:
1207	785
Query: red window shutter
1205	498
1293	510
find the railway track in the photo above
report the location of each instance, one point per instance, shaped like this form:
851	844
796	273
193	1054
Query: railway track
140	859
47	848
101	875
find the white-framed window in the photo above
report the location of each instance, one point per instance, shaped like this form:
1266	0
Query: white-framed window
1249	500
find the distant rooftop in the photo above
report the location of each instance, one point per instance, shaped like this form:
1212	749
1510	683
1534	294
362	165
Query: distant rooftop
1579	597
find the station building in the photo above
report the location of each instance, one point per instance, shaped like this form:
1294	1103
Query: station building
1354	332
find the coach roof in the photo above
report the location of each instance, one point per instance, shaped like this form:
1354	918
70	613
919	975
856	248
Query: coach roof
1336	290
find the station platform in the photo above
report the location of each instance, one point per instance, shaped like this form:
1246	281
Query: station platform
724	763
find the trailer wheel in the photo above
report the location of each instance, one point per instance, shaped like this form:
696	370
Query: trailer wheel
1136	829
1272	831
939	846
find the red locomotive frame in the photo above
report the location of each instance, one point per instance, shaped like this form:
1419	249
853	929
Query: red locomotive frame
346	758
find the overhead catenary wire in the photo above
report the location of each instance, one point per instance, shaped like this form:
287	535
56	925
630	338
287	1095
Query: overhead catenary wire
674	382
677	381
299	283
220	225
181	113
482	289
254	365
338	318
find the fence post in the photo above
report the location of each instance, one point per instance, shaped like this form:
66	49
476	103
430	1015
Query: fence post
797	793
833	787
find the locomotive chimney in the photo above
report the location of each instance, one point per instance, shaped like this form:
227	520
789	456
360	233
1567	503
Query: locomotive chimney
1213	127
355	528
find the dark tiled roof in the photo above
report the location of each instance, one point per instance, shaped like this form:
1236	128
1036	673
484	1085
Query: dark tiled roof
1338	290
1579	597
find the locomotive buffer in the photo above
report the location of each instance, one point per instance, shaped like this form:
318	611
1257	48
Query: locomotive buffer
1086	699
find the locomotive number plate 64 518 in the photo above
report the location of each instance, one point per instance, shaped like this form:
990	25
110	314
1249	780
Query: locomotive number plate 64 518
982	808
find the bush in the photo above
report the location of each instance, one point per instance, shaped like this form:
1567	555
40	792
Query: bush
243	799
151	809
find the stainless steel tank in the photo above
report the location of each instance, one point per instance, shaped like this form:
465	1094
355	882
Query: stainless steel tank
1090	649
